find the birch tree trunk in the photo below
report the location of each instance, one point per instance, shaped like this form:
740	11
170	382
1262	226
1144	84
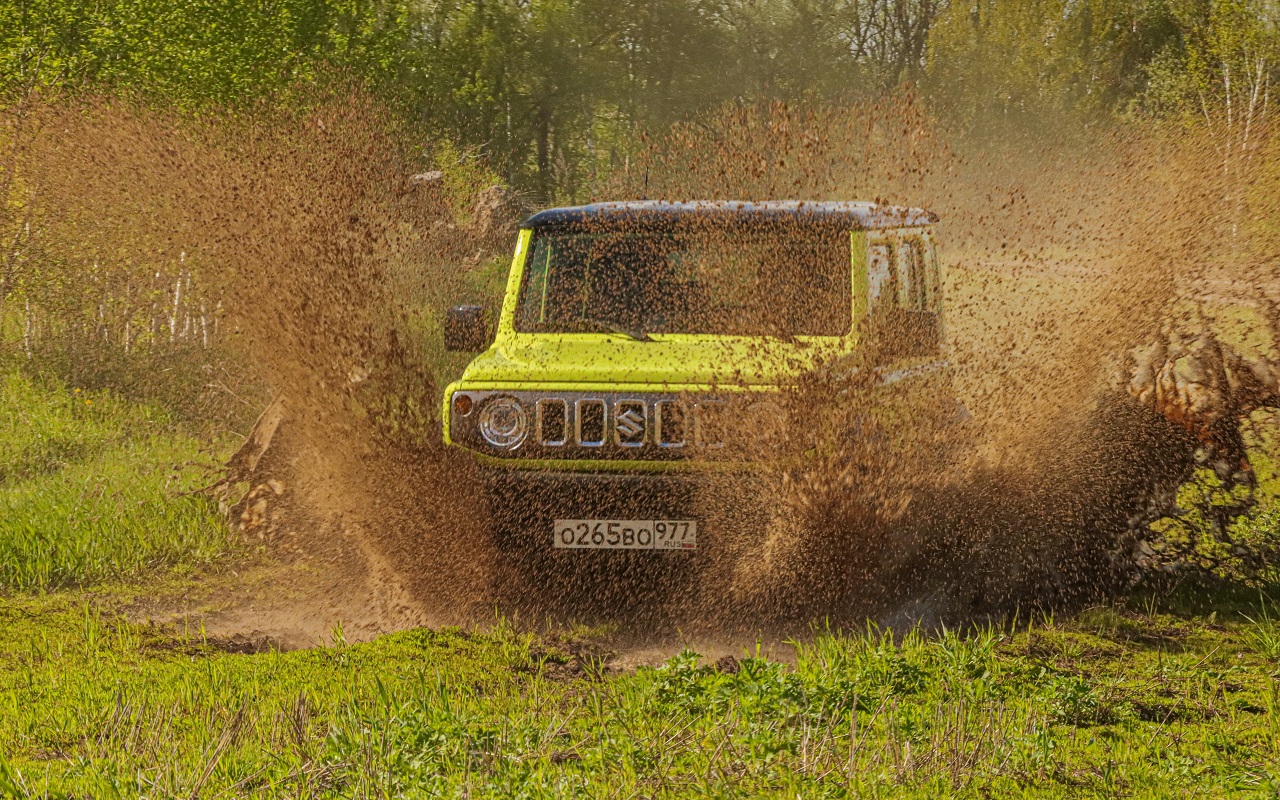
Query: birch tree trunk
173	318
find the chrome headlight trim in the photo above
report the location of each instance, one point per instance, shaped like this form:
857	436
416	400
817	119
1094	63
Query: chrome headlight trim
503	422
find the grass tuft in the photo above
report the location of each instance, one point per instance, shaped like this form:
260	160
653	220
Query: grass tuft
93	487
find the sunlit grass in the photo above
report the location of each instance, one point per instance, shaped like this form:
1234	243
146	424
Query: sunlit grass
93	487
1115	702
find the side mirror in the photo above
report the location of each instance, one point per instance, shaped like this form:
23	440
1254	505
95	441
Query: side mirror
465	330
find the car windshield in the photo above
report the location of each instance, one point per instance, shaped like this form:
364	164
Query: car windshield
785	280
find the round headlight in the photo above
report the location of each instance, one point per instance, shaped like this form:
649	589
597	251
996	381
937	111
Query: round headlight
503	422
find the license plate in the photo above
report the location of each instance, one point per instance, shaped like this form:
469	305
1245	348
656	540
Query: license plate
626	534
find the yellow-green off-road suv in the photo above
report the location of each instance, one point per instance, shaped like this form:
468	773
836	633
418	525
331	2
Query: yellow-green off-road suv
635	340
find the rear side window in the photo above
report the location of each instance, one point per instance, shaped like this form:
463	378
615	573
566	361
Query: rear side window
880	283
904	295
912	294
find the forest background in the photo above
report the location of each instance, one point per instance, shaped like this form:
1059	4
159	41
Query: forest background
552	101
556	95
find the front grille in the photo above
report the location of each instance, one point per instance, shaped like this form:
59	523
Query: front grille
553	422
608	425
590	422
672	417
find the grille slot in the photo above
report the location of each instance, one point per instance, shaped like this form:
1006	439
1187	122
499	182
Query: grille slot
672	421
553	422
709	423
590	419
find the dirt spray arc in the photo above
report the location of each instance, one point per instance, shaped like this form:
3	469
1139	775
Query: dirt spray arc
323	248
326	247
1079	312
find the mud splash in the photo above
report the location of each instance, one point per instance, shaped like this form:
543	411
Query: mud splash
1063	255
332	252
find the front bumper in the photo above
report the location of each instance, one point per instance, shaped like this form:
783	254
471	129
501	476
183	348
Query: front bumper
536	497
523	505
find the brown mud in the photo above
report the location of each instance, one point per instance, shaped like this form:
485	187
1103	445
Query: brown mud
1089	389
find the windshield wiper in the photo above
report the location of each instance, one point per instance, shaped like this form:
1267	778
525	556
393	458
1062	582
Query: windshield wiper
605	326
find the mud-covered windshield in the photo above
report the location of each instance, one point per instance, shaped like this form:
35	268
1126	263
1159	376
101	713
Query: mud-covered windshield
793	281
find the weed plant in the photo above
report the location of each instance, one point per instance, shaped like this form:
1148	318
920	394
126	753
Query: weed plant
1229	533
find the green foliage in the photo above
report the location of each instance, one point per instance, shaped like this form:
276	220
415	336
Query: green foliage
554	94
89	488
189	53
463	177
998	63
1265	633
101	706
1227	533
1231	51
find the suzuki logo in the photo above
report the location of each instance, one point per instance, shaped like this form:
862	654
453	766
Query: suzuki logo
630	418
630	423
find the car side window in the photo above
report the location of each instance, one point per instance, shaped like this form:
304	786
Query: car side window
533	305
903	296
912	283
934	272
880	283
899	275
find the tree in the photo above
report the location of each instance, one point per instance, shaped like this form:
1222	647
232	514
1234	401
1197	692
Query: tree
996	63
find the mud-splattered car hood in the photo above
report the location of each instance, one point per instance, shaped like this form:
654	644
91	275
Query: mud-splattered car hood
661	361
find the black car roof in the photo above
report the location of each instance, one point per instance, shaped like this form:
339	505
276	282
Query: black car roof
859	215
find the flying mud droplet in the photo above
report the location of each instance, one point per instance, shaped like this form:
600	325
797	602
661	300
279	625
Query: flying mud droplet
1082	379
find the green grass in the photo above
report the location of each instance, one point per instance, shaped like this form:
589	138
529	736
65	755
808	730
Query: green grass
91	488
1176	696
1114	703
